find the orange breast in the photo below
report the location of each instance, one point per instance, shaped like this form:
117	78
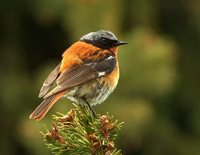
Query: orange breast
112	78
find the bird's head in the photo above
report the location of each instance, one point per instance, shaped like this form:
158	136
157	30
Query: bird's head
102	39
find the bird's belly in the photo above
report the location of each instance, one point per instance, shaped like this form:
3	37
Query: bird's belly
96	91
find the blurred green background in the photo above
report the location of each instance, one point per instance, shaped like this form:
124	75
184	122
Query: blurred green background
158	96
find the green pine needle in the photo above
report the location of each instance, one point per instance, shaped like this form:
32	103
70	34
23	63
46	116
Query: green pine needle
79	132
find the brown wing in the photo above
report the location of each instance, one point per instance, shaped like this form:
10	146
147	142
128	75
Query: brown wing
78	75
72	77
49	81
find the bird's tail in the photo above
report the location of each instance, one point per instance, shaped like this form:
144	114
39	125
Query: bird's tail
45	106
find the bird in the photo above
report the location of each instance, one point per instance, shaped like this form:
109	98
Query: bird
88	73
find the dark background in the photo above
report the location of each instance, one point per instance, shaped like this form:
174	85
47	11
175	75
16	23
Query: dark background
158	96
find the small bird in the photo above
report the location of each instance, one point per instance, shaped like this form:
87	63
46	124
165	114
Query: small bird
87	74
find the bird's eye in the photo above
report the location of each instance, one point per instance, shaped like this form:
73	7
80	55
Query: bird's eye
104	40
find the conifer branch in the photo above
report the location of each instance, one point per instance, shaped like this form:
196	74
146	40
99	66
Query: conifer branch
79	132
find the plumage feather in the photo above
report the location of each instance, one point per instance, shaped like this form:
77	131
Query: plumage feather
49	81
45	106
73	77
77	75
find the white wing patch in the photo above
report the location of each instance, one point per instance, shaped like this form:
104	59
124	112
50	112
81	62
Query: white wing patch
110	57
101	74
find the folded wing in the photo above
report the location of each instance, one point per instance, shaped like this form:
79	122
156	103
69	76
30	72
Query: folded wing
49	81
80	74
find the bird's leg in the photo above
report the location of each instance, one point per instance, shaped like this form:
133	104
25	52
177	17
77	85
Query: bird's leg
93	112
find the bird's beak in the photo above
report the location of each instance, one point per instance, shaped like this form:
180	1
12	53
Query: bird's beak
119	43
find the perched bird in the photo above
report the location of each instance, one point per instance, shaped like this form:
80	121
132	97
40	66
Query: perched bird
87	74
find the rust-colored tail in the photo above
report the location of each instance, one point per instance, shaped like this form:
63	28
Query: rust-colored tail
45	106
